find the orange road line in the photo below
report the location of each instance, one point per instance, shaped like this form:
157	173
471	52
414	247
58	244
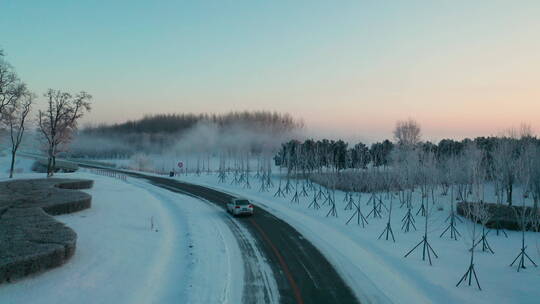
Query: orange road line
294	286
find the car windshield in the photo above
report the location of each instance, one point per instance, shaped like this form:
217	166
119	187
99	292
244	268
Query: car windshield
242	202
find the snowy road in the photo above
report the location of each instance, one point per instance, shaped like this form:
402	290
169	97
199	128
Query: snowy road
256	277
212	249
301	272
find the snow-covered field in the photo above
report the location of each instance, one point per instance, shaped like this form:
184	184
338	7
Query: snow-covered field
189	257
377	270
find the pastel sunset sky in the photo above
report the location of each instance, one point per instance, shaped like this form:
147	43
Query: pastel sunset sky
347	68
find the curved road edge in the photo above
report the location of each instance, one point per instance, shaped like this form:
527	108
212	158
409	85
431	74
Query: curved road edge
302	273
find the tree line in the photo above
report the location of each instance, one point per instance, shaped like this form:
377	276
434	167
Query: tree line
178	123
164	133
340	155
505	160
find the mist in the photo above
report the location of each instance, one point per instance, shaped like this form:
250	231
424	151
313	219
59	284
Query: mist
145	143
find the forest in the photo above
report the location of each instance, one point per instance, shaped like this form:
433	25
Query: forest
165	132
504	159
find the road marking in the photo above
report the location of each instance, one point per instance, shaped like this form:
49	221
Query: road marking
294	286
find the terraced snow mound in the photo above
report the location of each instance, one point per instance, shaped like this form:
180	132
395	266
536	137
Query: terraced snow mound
32	240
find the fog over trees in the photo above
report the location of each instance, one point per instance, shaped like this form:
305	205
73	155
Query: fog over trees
407	132
196	133
406	183
258	134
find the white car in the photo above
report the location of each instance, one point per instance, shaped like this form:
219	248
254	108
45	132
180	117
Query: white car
239	206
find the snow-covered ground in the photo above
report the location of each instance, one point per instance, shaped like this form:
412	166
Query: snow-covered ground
190	256
377	270
165	163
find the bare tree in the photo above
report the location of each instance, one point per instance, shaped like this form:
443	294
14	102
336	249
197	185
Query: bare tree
478	177
58	122
476	212
525	216
525	130
407	132
425	160
14	119
11	87
405	161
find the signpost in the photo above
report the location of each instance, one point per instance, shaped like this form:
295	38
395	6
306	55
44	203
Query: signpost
180	165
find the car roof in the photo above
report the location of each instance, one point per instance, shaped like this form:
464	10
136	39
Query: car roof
234	200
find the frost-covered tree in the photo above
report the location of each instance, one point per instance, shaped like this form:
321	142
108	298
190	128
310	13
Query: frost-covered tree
407	132
505	158
478	177
424	170
11	87
58	121
525	216
476	212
